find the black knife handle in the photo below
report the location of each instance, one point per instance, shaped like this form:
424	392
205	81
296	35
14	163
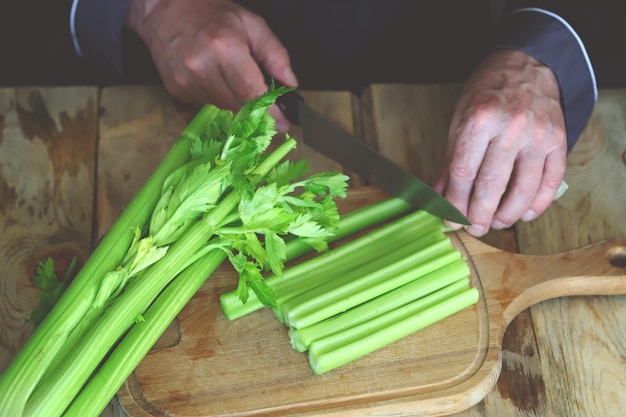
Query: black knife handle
289	104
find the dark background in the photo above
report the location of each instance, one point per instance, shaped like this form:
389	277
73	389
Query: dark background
333	44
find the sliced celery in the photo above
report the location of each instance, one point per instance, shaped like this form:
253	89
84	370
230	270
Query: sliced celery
346	346
327	300
443	282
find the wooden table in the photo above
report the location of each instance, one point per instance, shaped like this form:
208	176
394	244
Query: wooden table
71	158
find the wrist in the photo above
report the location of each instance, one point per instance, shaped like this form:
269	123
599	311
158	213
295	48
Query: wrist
516	67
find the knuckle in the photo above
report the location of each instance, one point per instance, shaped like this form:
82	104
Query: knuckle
221	44
194	63
462	171
179	79
489	183
526	189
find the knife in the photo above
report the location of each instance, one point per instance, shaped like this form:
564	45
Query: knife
330	139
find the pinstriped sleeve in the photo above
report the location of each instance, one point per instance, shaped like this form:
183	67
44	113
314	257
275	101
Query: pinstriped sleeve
552	41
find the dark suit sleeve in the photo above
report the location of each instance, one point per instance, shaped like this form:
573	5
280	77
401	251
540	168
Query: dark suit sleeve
551	40
96	27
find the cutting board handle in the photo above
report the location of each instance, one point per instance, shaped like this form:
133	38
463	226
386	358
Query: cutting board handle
518	281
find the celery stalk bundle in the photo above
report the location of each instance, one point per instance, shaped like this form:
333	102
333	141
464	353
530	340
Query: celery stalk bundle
369	292
218	194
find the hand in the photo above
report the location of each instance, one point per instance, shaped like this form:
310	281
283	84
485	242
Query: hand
507	143
211	51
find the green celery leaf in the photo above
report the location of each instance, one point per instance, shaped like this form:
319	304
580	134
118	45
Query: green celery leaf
326	214
262	200
45	277
275	219
303	226
287	171
293	202
52	288
196	193
252	276
327	183
276	252
320	244
254	248
110	285
147	254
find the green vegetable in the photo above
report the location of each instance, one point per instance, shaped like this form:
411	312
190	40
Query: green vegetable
51	287
369	292
452	277
343	347
347	291
302	276
219	193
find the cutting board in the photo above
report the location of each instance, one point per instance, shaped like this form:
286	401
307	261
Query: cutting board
247	367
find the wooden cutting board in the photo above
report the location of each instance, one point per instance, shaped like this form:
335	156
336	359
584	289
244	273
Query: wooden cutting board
247	366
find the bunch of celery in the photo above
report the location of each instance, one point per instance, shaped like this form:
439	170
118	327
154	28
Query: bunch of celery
219	193
372	291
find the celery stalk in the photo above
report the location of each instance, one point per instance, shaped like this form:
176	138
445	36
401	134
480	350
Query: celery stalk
307	284
137	343
32	361
355	221
139	293
335	297
450	277
341	348
345	257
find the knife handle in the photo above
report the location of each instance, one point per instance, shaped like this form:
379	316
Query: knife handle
288	103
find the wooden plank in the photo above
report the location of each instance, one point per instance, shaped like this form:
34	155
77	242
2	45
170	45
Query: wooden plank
582	340
47	155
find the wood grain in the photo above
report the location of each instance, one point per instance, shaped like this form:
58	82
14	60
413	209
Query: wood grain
582	340
47	150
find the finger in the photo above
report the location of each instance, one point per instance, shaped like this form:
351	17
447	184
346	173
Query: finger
527	175
197	77
489	186
282	124
267	49
463	169
246	81
553	172
442	182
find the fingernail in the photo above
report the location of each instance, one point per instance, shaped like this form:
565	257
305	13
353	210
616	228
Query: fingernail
290	77
475	230
452	226
529	215
282	127
498	225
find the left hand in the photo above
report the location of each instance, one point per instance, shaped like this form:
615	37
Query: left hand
507	143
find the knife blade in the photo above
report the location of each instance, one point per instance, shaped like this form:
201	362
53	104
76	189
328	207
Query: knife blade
330	139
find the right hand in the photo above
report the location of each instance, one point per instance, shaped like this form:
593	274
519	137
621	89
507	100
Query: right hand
211	51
